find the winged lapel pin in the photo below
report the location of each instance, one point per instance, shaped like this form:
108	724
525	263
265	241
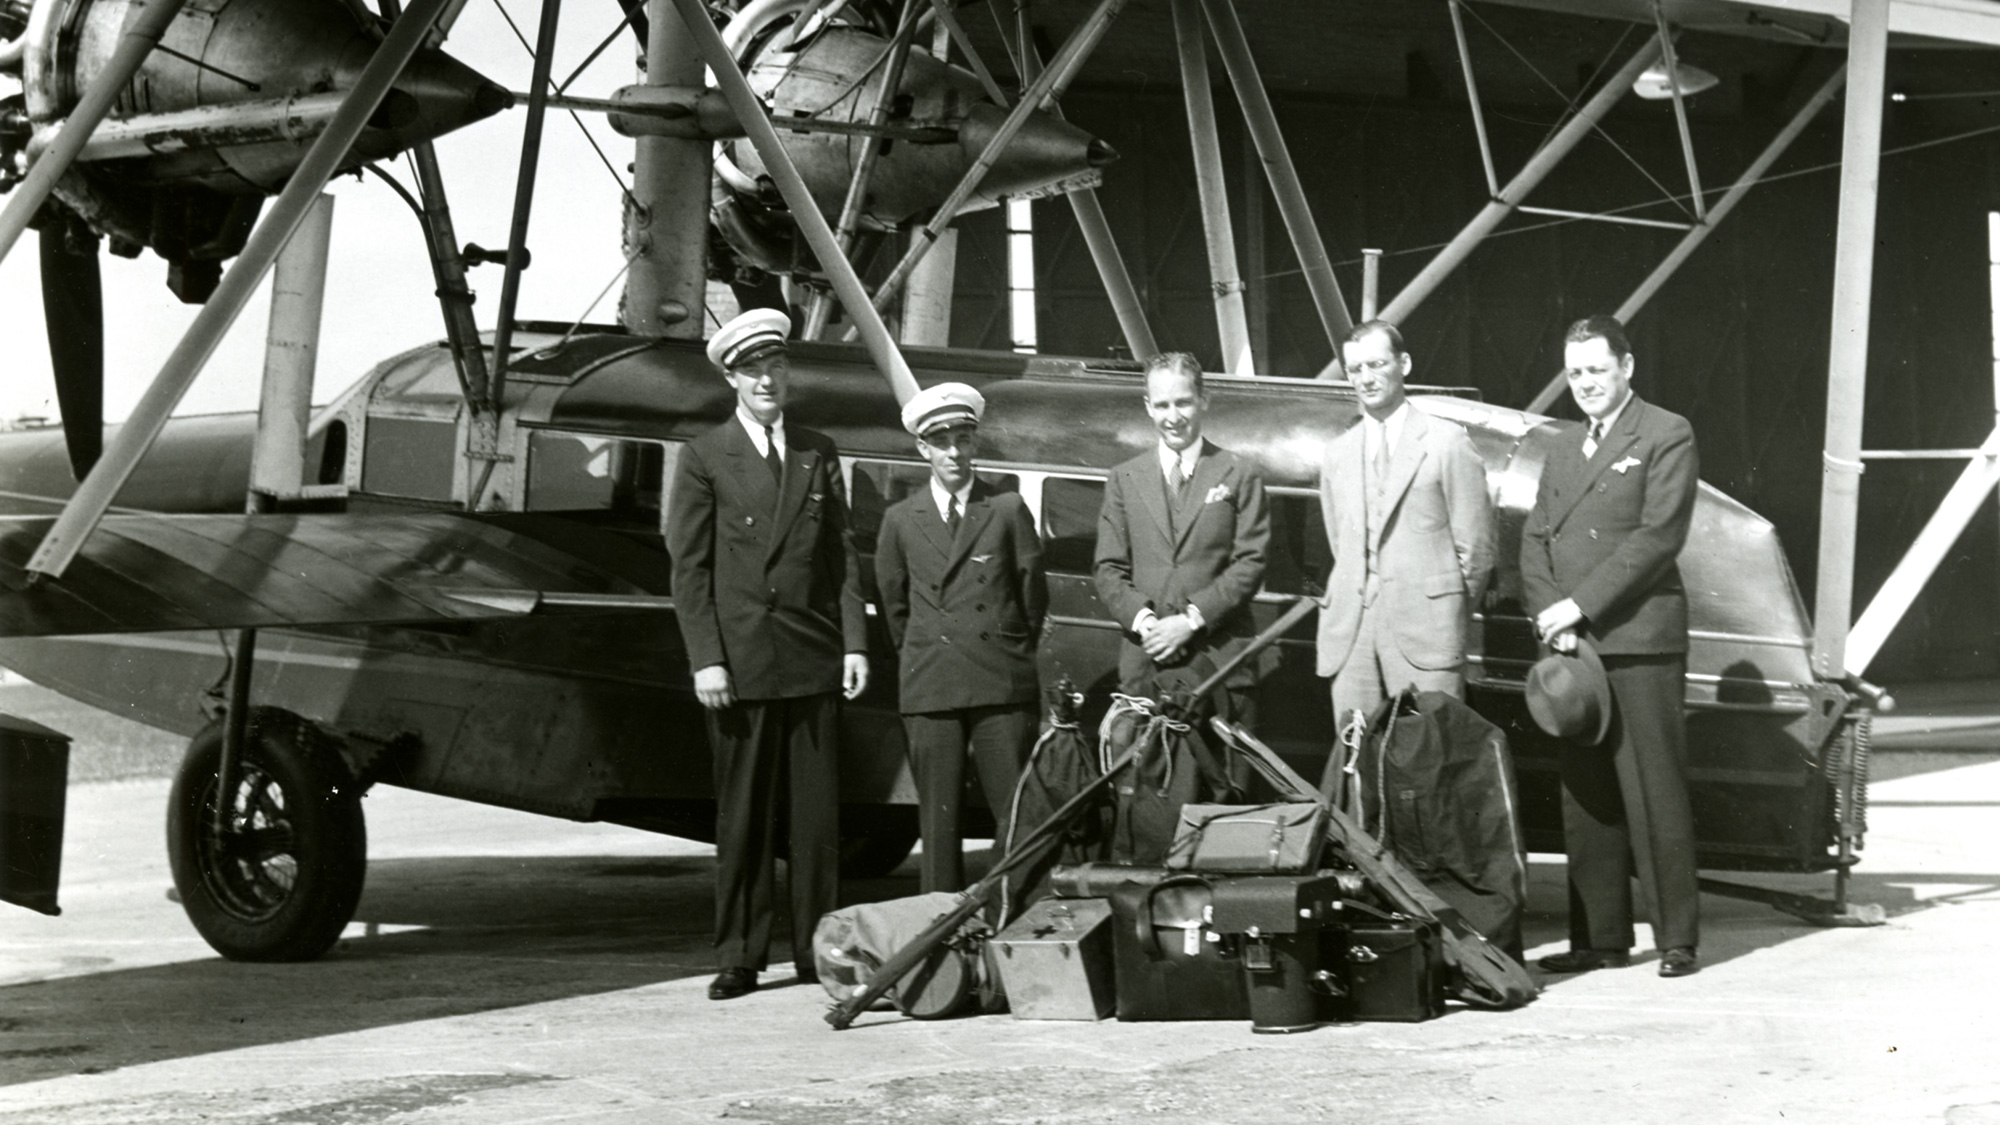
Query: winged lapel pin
1622	466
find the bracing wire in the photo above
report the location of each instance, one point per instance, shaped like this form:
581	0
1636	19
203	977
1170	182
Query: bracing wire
623	189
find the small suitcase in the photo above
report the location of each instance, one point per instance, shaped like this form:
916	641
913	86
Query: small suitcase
1055	960
1276	921
1170	964
1394	967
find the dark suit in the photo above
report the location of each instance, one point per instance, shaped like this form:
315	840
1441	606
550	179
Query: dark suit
1605	531
1207	549
766	583
965	613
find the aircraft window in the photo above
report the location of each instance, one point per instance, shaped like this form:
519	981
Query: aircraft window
574	472
1299	557
409	457
332	453
1069	524
879	484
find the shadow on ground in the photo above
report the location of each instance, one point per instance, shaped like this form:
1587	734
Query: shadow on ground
440	937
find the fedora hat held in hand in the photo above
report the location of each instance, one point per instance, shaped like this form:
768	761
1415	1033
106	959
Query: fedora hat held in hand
1569	695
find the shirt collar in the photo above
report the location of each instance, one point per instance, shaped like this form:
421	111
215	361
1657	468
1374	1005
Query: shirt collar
943	499
755	429
1391	427
1611	419
1187	457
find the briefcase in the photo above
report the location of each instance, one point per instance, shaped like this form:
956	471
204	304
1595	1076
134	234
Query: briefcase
1276	921
1055	960
1394	967
1171	965
1276	839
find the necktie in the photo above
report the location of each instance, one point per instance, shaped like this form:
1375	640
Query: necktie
1590	442
1382	460
1176	479
951	516
771	457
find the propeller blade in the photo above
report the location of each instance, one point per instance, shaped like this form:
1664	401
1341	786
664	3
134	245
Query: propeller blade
73	306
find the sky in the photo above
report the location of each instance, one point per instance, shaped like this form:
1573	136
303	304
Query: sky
380	296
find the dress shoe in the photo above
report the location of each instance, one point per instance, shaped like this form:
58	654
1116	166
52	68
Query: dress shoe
1678	962
731	983
1584	960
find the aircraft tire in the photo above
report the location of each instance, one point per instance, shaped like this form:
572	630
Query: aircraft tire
293	883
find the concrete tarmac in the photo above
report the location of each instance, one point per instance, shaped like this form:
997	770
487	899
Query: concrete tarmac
505	969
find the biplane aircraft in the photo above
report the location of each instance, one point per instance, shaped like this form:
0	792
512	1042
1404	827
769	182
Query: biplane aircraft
453	578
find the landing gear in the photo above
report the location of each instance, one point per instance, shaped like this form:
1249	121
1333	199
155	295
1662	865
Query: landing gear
282	878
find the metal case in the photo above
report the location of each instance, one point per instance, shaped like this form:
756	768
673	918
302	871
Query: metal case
1055	960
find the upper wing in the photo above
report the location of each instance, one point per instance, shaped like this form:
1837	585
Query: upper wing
140	573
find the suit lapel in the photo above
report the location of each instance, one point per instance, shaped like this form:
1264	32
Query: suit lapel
801	467
1208	472
1150	484
748	469
932	522
977	511
1613	447
1409	453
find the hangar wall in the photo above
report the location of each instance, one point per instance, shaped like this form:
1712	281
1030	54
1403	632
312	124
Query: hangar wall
1737	341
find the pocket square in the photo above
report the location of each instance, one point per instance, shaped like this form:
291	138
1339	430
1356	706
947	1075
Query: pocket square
1627	463
1219	492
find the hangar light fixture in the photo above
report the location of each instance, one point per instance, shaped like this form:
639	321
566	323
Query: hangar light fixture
1653	85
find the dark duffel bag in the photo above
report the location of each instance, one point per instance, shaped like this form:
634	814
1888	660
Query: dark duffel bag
1170	964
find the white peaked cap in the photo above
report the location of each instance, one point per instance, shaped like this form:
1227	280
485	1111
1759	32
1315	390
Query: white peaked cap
748	336
946	404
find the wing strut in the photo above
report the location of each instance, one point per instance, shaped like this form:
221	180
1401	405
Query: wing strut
1847	355
757	126
864	165
1049	85
1699	233
1225	281
133	48
1537	168
93	497
1090	218
524	201
1282	173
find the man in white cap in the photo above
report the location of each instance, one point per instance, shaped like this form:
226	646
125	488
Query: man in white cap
959	567
767	589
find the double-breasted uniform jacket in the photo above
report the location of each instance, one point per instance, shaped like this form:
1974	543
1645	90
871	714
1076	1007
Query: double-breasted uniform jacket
1605	531
1209	553
965	612
767	584
1433	544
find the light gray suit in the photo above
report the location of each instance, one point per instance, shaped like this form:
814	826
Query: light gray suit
1411	555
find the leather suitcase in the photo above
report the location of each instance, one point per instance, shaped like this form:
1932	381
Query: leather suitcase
1171	965
1393	967
1276	920
1055	960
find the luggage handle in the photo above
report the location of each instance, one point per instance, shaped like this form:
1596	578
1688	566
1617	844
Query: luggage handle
1149	934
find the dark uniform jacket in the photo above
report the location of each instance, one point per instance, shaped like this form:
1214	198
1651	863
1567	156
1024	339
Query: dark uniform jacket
964	613
764	584
1208	553
1606	529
